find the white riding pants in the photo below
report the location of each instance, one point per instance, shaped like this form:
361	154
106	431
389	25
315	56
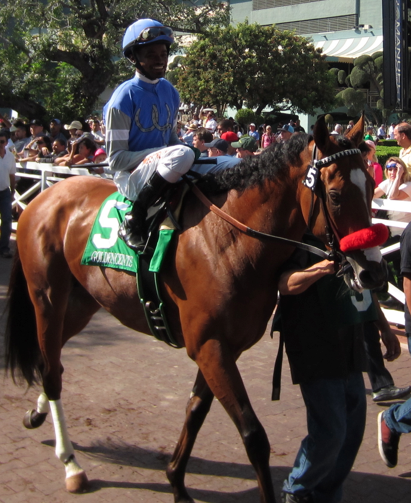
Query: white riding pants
170	162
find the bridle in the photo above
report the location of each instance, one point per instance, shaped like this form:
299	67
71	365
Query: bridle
313	182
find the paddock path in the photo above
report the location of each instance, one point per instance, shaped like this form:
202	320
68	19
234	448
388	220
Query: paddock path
124	397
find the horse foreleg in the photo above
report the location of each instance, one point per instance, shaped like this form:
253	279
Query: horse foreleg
219	368
76	478
35	418
197	410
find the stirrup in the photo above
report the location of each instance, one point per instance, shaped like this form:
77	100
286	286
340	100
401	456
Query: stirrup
133	237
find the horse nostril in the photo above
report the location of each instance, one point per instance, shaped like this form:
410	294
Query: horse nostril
373	279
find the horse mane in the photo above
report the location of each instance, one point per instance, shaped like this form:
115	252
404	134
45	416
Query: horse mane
252	171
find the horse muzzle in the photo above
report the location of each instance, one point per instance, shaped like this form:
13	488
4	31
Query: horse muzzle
367	270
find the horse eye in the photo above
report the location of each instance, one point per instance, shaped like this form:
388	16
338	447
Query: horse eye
335	197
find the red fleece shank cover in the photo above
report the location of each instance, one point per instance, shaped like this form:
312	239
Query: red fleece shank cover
375	235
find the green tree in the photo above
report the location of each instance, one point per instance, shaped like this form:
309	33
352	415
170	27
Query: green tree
366	73
256	66
57	56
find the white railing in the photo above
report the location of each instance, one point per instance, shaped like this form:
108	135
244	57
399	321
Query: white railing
44	175
392	315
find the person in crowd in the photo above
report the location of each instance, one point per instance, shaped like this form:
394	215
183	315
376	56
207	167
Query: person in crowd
246	146
381	133
224	126
395	421
40	146
55	130
72	129
391	131
59	149
268	137
338	130
7	184
195	121
100	155
402	134
325	349
200	138
298	128
82	152
36	128
211	123
10	144
254	133
230	137
188	136
143	148
217	147
350	126
372	161
397	186
285	133
22	136
98	136
369	134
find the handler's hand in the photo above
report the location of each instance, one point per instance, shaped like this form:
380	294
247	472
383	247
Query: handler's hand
392	345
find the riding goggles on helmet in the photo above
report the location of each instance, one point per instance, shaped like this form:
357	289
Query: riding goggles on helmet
153	32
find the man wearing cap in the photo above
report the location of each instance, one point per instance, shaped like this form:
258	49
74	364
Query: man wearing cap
55	131
230	137
36	129
285	133
253	133
246	146
217	150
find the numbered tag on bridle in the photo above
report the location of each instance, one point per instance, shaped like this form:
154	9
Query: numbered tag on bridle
311	177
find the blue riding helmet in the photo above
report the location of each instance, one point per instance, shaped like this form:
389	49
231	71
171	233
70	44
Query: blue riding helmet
144	32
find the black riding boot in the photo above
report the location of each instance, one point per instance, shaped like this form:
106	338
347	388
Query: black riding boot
132	231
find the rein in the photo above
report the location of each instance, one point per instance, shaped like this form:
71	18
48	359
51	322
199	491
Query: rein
248	230
311	180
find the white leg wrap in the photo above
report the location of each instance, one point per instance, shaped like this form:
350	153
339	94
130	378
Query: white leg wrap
64	448
43	404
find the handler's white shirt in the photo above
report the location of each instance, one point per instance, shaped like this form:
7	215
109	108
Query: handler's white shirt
7	168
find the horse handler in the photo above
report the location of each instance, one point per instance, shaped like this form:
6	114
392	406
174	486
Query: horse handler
141	117
321	323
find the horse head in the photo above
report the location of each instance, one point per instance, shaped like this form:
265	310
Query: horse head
339	207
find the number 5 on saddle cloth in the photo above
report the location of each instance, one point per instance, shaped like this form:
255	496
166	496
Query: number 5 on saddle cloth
105	249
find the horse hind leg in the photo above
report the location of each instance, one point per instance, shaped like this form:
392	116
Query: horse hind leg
35	418
197	409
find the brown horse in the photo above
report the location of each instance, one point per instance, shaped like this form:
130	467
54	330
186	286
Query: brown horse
219	285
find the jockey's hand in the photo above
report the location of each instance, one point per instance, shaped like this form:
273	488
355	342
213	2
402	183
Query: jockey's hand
391	343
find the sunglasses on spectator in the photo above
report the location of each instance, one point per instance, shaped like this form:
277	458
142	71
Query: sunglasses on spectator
392	165
154	32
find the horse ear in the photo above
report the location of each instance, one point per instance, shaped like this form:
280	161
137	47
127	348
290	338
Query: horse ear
321	134
356	134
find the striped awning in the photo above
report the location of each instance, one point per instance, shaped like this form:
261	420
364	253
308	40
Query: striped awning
350	48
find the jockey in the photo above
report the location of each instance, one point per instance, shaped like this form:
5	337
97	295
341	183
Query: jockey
141	117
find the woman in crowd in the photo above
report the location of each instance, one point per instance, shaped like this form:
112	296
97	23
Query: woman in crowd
397	186
375	168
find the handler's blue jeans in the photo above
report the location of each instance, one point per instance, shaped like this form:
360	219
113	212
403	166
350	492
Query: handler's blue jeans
398	417
6	219
336	411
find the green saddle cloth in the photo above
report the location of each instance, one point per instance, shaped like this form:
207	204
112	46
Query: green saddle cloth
105	249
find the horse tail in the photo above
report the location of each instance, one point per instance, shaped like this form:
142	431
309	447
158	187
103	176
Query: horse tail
23	357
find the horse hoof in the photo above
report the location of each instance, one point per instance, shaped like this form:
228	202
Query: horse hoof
77	483
33	419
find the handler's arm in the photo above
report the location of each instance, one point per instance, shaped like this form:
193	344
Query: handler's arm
295	282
